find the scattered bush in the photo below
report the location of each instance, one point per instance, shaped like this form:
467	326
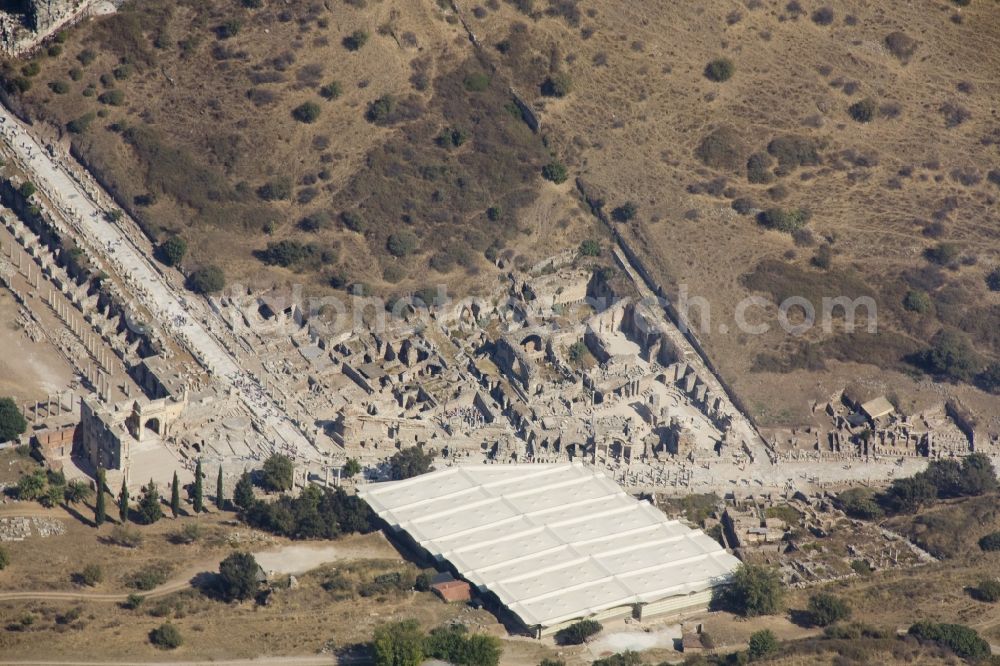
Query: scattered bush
784	220
917	301
555	172
557	85
825	609
954	114
59	87
149	577
125	536
307	112
331	91
762	643
402	243
354	222
355	40
863	111
91	575
961	640
133	601
166	637
279	189
719	70
823	16
901	45
990	542
793	151
722	149
626	212
113	97
988	590
590	248
578	632
759	169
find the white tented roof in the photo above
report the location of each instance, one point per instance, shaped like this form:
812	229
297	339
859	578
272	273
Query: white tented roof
553	542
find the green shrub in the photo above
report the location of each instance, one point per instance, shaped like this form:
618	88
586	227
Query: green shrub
759	169
578	632
59	87
355	40
950	355
166	637
917	301
229	29
133	601
863	111
958	638
332	90
723	149
793	151
860	503
91	575
31	69
993	280
987	590
626	212
149	577
402	243
901	45
76	73
555	172
825	609
943	254
113	97
125	536
720	69
4	559
784	220
590	248
354	222
278	189
381	110
990	542
557	85
762	643
477	82
307	112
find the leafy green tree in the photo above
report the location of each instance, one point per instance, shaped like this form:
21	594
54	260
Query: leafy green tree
762	644
910	494
77	491
278	473
951	356
455	645
100	509
399	644
31	486
175	496
172	251
206	280
123	503
755	590
198	493
409	462
978	475
12	422
220	498
27	189
243	492
825	609
352	468
238	577
149	504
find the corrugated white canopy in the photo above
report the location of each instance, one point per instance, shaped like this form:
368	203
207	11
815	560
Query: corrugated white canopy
553	542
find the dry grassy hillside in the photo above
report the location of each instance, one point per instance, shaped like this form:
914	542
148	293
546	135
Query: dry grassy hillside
839	148
331	143
878	121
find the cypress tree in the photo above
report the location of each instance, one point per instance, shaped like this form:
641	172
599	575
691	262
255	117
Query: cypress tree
175	496
220	500
123	503
99	508
199	502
